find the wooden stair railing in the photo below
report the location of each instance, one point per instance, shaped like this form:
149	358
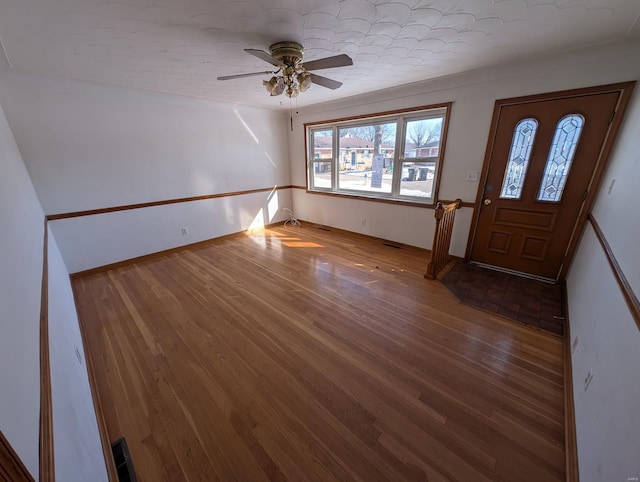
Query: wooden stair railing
445	216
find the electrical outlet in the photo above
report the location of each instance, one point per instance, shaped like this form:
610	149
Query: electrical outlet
472	176
363	222
184	231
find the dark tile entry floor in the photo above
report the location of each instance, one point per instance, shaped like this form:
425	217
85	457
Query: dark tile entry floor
529	301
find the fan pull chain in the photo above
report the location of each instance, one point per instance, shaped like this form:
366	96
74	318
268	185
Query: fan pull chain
291	112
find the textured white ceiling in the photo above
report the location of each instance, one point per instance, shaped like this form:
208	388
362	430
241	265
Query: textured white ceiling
181	46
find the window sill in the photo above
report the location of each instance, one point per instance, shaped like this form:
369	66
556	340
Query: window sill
363	197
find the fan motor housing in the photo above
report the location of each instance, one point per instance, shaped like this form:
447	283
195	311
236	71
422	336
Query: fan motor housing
289	53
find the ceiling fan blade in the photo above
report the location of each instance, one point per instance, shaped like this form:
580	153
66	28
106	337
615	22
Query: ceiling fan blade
325	82
262	55
239	76
336	61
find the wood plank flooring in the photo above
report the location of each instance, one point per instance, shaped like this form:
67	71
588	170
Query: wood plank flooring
302	354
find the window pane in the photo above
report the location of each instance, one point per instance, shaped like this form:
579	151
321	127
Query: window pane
365	157
563	148
321	174
523	137
322	144
422	138
417	179
376	179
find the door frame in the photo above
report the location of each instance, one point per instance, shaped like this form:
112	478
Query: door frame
11	466
625	89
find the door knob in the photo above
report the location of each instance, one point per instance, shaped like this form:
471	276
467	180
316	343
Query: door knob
487	202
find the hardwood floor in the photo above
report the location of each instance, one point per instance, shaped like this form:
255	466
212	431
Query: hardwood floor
301	354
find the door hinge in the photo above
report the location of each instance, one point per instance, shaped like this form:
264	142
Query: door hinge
584	196
613	114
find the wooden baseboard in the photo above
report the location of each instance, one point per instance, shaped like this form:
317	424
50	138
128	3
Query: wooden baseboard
119	264
352	233
570	442
97	405
158	254
11	467
46	449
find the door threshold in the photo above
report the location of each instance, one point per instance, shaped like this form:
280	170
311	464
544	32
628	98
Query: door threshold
513	272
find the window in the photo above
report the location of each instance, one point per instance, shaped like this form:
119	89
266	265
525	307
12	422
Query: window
322	154
519	154
561	153
394	156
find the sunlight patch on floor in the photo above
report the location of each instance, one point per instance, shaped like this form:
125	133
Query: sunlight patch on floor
302	244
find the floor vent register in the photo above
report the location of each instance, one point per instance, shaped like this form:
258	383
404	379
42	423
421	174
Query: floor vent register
122	458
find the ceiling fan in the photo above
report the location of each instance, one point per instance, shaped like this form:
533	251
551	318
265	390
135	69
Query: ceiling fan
293	76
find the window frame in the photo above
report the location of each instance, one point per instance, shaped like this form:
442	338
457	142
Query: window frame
401	117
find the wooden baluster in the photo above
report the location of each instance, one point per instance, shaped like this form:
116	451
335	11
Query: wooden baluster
439	212
445	216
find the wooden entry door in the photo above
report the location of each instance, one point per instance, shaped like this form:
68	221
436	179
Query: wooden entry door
542	161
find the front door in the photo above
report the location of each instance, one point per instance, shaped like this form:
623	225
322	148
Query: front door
541	164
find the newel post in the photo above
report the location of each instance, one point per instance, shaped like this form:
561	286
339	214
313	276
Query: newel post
444	216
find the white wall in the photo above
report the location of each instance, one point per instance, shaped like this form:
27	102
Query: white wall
608	340
21	250
473	95
408	225
92	241
78	451
90	146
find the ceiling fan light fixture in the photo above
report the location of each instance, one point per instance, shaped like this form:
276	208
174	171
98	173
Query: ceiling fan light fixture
269	84
275	85
279	86
304	80
292	92
292	75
